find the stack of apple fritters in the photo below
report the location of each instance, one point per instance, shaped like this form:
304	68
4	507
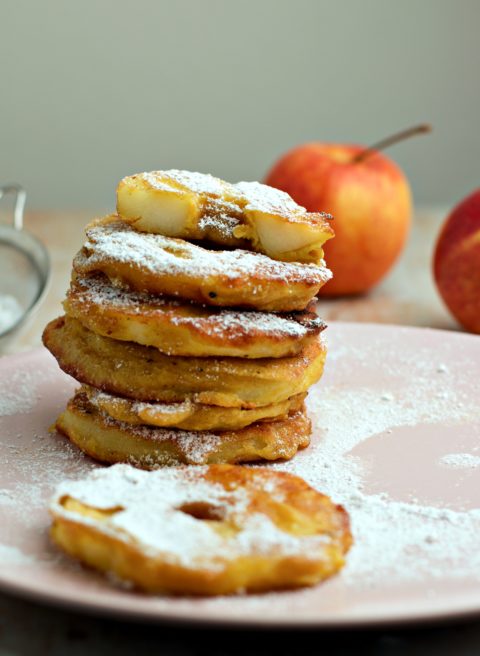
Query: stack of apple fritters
188	323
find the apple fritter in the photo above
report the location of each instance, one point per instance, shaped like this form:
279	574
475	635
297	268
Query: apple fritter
208	530
173	267
183	328
188	415
196	206
144	374
149	447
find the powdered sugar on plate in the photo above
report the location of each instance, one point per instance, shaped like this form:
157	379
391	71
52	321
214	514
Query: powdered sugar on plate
391	398
13	556
18	393
400	540
460	460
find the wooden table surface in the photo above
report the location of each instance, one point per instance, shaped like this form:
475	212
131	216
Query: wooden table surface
406	296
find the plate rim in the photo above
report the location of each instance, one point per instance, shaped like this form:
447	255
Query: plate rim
52	600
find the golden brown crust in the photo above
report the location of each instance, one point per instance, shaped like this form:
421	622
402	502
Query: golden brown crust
181	328
145	374
267	530
173	267
148	447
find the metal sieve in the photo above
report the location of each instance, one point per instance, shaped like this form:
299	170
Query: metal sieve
24	270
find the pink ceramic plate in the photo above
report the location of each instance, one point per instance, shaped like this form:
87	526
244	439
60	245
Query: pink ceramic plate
396	439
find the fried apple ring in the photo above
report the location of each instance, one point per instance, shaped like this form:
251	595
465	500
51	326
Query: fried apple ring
173	267
183	328
197	206
143	373
202	530
187	414
148	447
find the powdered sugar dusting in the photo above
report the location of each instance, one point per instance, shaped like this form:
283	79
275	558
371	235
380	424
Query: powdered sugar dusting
460	460
228	324
18	393
150	514
13	556
195	446
260	197
98	398
398	539
220	217
178	182
233	324
117	241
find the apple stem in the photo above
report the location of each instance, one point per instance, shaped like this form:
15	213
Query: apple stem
393	139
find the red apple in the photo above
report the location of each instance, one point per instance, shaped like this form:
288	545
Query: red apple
456	263
370	200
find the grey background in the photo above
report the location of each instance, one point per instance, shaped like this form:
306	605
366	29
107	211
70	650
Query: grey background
95	90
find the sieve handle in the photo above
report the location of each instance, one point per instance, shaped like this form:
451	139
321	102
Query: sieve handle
19	202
